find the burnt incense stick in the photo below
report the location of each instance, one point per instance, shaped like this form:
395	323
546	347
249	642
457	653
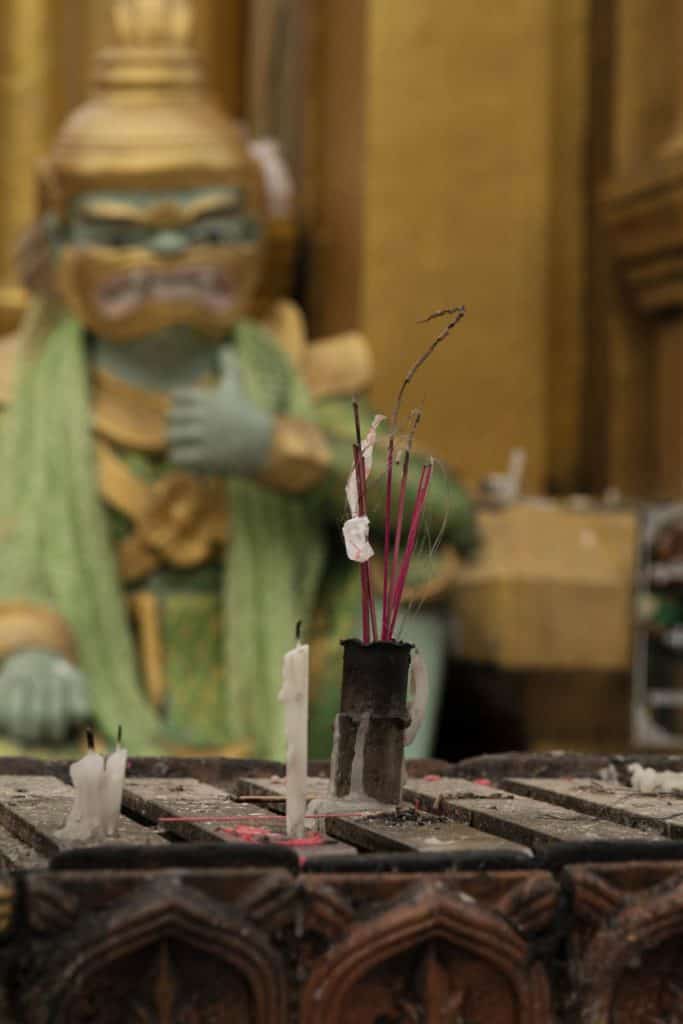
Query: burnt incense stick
356	419
415	419
457	312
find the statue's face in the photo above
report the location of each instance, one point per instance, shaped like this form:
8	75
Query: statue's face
132	264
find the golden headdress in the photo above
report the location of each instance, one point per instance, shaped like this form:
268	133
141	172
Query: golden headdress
150	122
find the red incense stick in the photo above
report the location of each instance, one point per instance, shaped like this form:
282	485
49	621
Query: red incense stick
401	502
423	487
364	571
387	540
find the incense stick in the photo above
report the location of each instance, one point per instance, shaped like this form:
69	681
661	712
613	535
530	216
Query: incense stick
387	539
395	570
423	487
360	480
415	419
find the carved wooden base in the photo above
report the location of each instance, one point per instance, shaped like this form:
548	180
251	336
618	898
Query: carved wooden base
579	929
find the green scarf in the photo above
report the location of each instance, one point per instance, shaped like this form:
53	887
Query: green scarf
56	549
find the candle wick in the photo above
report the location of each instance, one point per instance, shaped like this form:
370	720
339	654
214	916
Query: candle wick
90	738
298	631
119	735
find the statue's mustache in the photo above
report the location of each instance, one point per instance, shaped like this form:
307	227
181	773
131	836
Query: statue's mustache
123	293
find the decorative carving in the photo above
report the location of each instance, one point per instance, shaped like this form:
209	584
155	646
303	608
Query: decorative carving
531	905
321	909
192	961
630	972
174	985
303	921
7	901
432	998
434	957
595	900
50	908
644	219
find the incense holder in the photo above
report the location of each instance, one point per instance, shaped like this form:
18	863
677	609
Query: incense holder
369	730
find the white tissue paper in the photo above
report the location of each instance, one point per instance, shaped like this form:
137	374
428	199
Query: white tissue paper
356	533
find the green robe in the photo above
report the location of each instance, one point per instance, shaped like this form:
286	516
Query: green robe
284	562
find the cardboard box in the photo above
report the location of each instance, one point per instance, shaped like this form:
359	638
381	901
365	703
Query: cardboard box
552	588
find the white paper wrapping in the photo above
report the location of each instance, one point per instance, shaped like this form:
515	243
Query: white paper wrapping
356	533
367	447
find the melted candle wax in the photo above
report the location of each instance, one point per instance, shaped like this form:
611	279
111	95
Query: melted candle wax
98	790
112	788
83	821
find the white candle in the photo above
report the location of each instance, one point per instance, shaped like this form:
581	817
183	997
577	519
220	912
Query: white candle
294	696
83	821
112	788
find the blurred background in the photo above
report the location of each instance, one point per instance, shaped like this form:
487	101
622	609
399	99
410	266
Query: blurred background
523	158
444	152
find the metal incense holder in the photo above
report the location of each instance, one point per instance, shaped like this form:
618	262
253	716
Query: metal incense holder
369	730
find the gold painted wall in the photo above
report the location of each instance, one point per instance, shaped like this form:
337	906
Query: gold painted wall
441	150
450	145
457	209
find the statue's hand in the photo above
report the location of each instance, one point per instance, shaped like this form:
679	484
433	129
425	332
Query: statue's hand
42	696
219	430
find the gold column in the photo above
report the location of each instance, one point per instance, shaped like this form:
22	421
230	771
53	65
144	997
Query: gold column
334	165
645	85
642	323
668	372
434	188
25	63
221	28
567	245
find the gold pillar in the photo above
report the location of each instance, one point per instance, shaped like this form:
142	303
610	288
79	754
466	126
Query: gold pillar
668	373
643	210
25	62
434	188
221	31
567	245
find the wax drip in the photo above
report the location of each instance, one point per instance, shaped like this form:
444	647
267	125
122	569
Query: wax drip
334	760
357	787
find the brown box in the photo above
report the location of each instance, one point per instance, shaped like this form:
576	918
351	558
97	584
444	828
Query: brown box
552	588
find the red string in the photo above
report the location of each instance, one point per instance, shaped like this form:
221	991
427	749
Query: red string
271	817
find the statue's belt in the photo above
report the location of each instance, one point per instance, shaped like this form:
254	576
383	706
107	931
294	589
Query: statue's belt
179	520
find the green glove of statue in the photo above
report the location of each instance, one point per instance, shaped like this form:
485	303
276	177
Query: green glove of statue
219	430
42	697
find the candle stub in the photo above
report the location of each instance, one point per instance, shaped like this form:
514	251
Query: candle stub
98	790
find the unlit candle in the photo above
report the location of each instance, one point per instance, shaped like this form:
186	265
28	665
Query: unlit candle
294	696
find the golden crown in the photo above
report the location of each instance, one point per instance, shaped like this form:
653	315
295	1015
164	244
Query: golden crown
150	122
